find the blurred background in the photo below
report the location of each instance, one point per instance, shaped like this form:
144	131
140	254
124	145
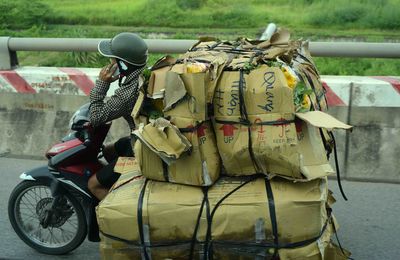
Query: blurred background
316	20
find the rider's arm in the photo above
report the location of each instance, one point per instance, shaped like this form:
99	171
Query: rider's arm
120	104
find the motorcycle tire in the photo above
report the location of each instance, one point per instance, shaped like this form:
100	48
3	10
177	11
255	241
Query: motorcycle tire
14	214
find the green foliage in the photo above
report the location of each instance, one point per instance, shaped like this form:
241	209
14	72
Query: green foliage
339	15
190	4
298	96
357	66
22	14
358	13
235	17
87	59
386	17
382	14
317	20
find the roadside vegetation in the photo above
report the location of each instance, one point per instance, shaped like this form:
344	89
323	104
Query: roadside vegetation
316	20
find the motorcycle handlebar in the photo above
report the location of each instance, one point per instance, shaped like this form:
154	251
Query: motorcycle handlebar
86	138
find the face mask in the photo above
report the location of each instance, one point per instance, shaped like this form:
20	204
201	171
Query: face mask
122	65
120	69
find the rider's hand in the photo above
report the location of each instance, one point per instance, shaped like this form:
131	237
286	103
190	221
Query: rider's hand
106	73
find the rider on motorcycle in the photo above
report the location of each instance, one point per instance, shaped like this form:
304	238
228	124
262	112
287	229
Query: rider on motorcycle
128	53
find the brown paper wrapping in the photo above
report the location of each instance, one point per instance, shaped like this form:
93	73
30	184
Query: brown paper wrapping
170	211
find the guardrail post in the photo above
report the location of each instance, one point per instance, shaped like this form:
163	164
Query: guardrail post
8	58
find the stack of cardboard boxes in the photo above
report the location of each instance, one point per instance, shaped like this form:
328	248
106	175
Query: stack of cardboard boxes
230	159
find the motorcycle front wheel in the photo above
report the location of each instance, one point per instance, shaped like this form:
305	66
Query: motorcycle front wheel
54	234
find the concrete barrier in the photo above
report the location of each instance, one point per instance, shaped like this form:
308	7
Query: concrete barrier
37	102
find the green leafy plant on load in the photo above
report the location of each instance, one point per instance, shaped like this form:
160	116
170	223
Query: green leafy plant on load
272	63
249	66
299	92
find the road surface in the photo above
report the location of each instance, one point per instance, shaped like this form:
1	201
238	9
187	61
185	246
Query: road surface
369	221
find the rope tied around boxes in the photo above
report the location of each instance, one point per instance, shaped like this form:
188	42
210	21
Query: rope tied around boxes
140	220
245	120
337	166
210	213
208	246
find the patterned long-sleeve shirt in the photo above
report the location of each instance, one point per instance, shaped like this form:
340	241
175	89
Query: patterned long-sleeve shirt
119	105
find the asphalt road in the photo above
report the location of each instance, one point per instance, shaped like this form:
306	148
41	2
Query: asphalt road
11	247
369	221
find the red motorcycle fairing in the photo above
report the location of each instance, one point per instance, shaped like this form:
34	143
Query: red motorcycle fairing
84	169
61	147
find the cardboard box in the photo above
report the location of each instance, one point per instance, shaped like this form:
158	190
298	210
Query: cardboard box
185	94
127	165
292	150
265	90
273	146
169	212
194	104
240	225
200	167
156	85
215	62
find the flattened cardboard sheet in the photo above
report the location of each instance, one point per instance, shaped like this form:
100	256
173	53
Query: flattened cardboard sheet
164	139
200	167
322	120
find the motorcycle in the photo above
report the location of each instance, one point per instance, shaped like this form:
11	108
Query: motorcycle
52	210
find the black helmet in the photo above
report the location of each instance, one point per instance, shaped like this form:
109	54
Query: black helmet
125	46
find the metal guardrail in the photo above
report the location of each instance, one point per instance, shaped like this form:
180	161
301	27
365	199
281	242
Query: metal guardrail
10	45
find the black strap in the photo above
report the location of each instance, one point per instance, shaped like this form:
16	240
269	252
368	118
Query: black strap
337	165
275	122
281	246
337	239
165	171
324	94
251	152
272	215
228	122
245	120
242	105
214	45
192	129
194	236
327	145
140	220
208	245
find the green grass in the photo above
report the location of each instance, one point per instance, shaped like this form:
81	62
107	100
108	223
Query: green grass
377	14
358	66
315	20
